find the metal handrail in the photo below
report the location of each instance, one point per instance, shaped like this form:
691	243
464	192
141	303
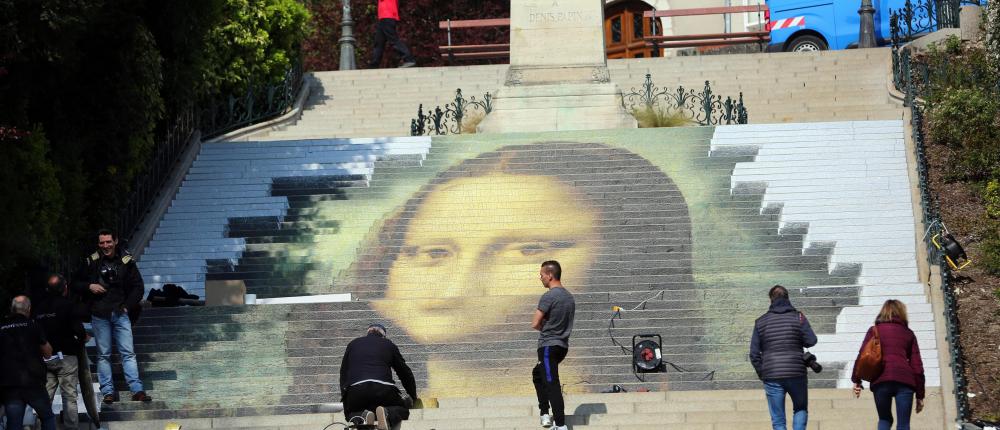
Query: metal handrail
911	78
258	104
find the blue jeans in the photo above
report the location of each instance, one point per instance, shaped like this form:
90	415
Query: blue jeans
884	393
798	389
16	400
119	328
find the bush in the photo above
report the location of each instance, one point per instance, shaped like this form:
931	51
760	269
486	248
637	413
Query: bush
471	120
256	43
965	119
991	197
652	117
990	249
991	34
31	205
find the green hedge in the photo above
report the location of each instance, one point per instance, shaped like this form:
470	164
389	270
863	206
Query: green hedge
963	107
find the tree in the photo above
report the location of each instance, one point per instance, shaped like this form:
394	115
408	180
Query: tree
105	79
257	42
31	205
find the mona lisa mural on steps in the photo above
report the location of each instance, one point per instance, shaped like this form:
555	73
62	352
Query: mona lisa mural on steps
446	250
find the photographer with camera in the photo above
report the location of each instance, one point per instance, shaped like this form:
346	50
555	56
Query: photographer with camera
112	282
776	352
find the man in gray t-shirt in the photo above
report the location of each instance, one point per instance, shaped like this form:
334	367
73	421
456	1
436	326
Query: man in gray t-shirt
554	319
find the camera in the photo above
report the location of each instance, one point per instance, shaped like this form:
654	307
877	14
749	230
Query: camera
810	360
109	274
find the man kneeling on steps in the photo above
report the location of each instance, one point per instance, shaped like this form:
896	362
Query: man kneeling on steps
366	383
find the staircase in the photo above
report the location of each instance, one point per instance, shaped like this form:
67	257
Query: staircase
699	410
684	229
777	88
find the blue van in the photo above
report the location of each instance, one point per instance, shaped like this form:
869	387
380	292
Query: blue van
811	25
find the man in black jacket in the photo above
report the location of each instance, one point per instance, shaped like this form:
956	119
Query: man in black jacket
54	313
114	285
776	349
366	380
22	369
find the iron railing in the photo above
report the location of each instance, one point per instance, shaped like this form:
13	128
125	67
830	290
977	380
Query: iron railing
702	107
259	103
147	185
912	78
451	119
923	16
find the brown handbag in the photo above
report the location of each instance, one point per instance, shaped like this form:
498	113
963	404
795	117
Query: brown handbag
869	366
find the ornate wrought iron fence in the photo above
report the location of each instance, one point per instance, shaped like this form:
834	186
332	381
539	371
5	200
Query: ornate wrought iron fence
928	15
146	186
912	78
450	119
703	107
258	103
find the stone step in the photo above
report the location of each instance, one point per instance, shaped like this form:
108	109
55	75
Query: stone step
828	409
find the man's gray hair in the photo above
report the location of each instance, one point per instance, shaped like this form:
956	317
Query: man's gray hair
21	305
376	328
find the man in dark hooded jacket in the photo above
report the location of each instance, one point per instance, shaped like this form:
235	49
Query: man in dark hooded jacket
55	313
776	352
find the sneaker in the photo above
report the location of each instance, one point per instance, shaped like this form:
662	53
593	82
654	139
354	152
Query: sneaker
546	420
560	428
407	64
368	417
141	396
383	420
355	422
109	399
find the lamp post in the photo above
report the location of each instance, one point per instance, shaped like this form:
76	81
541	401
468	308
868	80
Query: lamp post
866	35
347	41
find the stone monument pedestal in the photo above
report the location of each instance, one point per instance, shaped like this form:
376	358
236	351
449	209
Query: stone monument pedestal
558	77
553	107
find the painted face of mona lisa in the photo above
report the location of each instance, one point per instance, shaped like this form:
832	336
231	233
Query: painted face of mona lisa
471	253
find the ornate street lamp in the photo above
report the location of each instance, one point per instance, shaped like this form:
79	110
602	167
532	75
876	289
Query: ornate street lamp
866	35
347	41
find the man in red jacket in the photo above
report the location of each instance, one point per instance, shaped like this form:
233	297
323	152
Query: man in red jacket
385	31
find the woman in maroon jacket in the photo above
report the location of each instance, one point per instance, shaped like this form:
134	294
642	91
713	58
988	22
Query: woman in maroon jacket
903	373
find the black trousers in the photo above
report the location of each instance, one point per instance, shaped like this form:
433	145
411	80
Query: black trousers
385	32
545	375
370	395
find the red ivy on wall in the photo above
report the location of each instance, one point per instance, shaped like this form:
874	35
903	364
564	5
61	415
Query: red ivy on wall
418	27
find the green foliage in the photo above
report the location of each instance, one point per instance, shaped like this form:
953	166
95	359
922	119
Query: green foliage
991	197
956	65
181	28
31	205
256	42
991	34
105	79
650	117
990	249
966	119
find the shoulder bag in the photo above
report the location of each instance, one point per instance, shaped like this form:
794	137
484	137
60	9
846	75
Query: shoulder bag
869	366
